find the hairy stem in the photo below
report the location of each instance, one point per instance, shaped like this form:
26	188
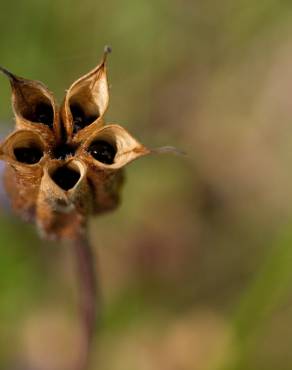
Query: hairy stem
86	270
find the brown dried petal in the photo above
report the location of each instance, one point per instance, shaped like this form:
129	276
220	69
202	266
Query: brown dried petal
34	106
86	102
125	147
64	199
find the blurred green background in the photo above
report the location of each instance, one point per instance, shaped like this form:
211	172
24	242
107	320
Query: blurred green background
196	264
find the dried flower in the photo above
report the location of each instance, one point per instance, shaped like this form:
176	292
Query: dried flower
65	164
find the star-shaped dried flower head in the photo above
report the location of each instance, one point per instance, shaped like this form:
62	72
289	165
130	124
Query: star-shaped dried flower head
64	165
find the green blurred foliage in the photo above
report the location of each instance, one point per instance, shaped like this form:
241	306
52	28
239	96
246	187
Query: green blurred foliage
195	264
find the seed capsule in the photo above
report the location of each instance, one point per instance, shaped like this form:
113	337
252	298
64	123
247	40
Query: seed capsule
64	164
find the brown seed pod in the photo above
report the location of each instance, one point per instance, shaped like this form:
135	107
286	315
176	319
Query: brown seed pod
24	152
64	165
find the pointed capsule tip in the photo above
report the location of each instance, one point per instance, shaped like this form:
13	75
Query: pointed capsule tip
106	50
10	75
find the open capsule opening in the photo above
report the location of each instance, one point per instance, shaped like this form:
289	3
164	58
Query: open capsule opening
66	177
25	147
83	114
28	155
39	112
103	150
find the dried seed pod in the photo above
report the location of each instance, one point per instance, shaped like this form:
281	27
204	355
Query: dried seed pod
65	165
106	152
34	107
112	147
85	103
24	152
64	200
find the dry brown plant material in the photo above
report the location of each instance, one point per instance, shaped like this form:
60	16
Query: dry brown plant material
64	165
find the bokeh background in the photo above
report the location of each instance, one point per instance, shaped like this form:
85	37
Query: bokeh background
196	264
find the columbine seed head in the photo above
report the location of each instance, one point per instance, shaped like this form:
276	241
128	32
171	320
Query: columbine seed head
64	164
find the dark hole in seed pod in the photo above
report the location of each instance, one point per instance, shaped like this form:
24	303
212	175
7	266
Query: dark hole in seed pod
63	151
102	151
41	113
80	118
29	155
65	177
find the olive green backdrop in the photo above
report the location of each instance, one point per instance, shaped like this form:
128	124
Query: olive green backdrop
196	264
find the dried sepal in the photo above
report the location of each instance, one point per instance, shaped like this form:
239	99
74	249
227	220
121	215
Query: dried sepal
34	106
86	102
64	199
112	147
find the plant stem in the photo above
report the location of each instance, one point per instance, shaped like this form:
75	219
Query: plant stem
85	265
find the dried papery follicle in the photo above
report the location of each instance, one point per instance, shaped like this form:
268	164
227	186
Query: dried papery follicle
63	203
86	101
34	106
106	152
113	147
24	153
